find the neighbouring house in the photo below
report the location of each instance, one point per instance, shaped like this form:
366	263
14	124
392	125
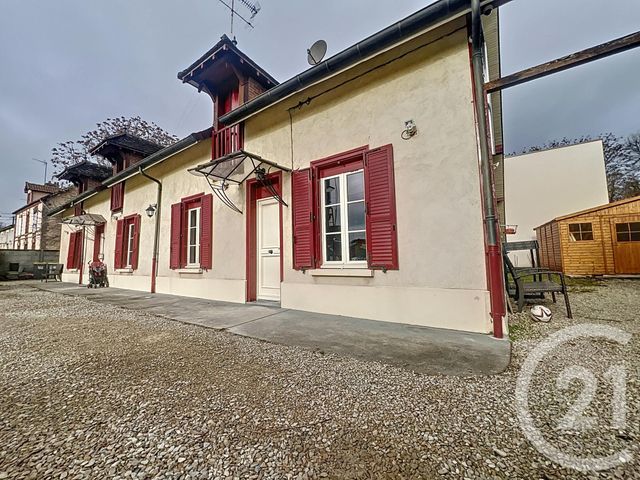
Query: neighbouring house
35	229
6	237
603	240
548	183
313	192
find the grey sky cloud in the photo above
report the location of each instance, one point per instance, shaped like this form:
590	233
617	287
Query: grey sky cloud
69	64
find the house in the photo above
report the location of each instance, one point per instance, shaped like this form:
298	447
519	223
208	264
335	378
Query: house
34	228
548	183
6	237
603	240
352	189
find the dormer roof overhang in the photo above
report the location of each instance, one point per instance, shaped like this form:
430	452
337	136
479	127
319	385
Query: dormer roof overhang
223	54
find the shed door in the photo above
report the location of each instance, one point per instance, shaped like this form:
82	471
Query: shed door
626	244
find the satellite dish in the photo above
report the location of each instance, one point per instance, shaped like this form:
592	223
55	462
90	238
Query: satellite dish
317	52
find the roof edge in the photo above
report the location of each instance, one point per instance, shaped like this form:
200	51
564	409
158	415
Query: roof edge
429	16
590	210
134	169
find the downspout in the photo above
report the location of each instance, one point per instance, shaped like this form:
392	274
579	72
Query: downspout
156	235
494	255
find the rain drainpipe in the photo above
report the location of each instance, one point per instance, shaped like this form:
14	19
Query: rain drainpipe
156	235
494	256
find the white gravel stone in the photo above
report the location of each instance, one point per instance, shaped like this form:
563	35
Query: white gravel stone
95	391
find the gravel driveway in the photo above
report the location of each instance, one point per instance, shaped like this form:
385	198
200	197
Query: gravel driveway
93	391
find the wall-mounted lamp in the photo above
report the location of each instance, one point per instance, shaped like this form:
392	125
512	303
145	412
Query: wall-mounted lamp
410	129
151	210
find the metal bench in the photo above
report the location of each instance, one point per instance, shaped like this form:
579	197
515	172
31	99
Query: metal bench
532	282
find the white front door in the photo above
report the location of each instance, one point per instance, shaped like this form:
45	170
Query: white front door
268	270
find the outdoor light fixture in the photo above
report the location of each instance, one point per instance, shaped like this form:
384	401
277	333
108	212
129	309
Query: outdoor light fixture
151	210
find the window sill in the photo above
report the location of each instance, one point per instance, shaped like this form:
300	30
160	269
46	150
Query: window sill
341	272
124	270
190	270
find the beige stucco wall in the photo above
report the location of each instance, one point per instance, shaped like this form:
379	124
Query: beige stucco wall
541	186
441	281
224	282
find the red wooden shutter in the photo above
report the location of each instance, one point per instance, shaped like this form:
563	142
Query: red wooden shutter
117	259
206	231
302	219
97	241
176	236
71	251
117	196
136	242
379	187
77	256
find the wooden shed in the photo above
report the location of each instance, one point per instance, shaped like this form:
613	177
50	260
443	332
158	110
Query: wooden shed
603	240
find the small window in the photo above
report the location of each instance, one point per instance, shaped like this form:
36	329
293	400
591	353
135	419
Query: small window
628	232
193	237
579	232
343	219
130	243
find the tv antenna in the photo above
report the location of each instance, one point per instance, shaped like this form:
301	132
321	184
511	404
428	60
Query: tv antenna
316	52
253	8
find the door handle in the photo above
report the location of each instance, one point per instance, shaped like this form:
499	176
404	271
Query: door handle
270	251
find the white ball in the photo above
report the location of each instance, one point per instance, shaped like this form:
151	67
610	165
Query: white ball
540	313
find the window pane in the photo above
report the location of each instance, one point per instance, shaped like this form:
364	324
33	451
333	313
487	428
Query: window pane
192	236
585	227
634	226
332	191
355	186
334	248
635	236
357	246
587	235
332	219
193	215
623	236
622	227
192	254
356	216
574	227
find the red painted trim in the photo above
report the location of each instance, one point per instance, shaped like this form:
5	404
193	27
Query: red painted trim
325	167
154	266
97	241
339	158
493	255
256	192
190	198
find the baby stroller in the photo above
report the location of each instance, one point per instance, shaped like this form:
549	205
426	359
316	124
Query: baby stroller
98	275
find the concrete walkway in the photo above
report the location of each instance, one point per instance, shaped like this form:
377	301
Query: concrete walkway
422	349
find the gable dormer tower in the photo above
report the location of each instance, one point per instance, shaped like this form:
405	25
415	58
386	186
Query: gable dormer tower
231	79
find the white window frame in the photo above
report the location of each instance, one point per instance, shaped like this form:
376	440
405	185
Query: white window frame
344	226
130	238
196	227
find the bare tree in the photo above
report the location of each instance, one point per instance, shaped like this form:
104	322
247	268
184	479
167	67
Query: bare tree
71	152
621	160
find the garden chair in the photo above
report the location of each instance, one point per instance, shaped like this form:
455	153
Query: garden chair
529	282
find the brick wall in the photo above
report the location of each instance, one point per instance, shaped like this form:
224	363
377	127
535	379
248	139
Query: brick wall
51	226
254	88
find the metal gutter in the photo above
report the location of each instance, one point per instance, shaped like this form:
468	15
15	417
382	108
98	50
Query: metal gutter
133	170
429	16
494	254
156	235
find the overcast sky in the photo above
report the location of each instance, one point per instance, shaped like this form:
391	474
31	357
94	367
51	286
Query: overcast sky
68	64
